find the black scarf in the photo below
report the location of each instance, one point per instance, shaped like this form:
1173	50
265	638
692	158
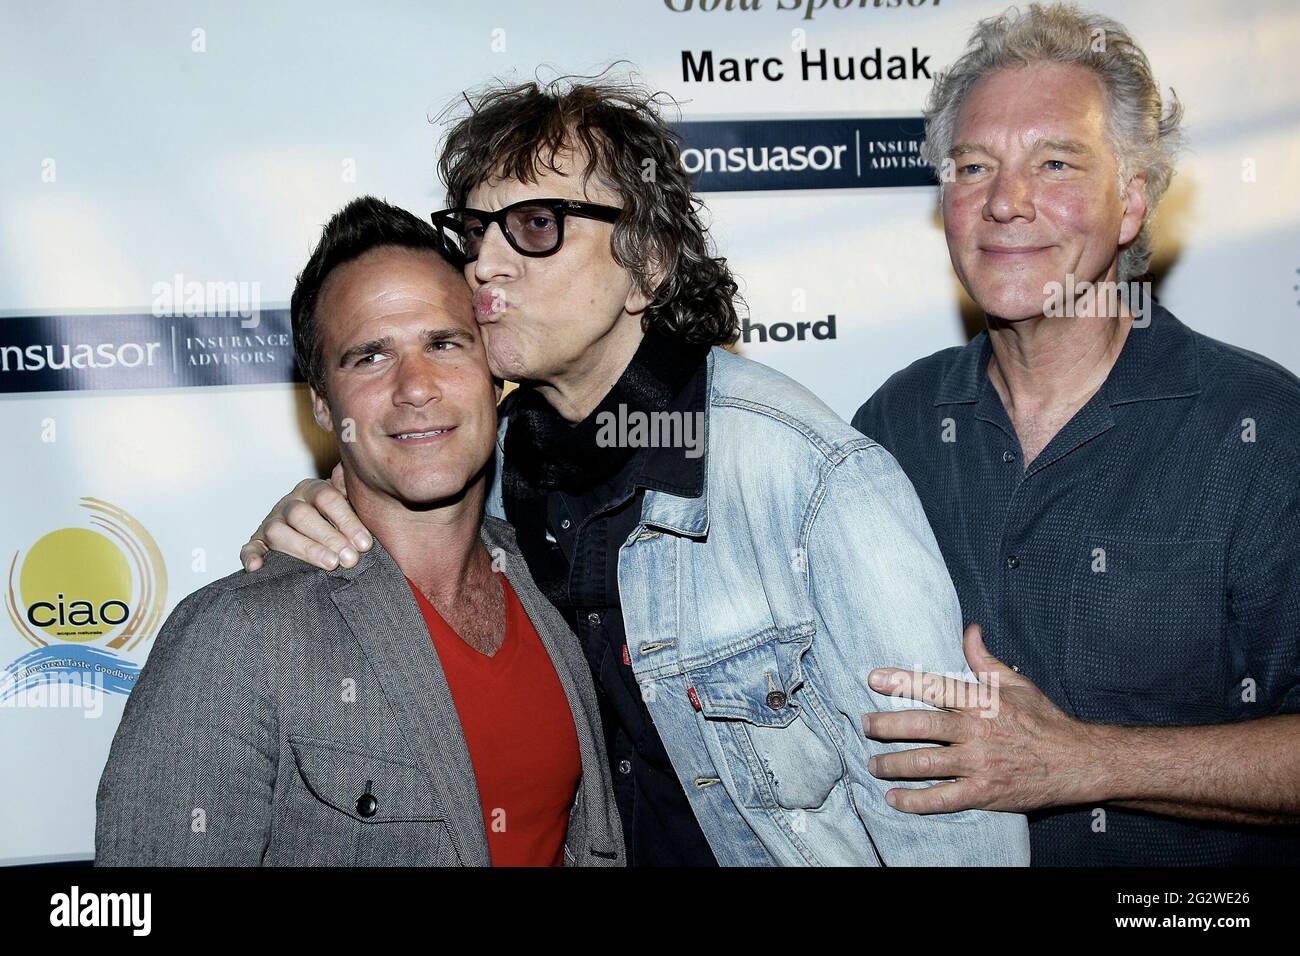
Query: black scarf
544	453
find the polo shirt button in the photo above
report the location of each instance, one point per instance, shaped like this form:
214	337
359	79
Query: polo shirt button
564	525
1012	561
1008	456
625	766
593	619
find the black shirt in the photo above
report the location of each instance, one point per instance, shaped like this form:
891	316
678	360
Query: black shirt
1145	568
584	530
659	827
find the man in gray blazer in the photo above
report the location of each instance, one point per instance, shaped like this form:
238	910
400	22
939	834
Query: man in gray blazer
297	716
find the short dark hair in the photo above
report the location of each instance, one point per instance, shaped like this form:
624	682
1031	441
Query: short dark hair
362	225
519	131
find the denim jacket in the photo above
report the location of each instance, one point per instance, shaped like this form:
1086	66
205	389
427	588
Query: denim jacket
754	614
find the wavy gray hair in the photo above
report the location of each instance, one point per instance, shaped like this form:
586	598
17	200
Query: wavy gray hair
1144	134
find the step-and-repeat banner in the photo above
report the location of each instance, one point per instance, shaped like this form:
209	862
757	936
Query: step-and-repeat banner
167	167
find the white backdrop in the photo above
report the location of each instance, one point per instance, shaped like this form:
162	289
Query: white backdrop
212	140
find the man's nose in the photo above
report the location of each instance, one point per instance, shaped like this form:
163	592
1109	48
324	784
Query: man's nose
417	381
496	259
1010	197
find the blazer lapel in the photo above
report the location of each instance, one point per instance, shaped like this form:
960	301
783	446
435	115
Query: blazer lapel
379	608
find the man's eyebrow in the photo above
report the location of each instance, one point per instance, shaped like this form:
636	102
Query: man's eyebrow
446	335
362	349
1072	146
430	336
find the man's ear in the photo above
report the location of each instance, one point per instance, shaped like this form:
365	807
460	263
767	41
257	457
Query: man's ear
1135	208
637	301
320	409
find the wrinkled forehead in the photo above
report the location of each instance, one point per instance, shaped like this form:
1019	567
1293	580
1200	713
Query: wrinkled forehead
1029	105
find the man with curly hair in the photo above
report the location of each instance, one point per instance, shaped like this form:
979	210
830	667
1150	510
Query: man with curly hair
734	558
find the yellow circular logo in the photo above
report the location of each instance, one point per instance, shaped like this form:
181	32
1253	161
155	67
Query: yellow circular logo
76	585
105	584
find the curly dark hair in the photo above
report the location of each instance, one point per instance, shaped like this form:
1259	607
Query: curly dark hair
518	131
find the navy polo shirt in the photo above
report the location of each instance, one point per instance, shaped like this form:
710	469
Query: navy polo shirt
1143	570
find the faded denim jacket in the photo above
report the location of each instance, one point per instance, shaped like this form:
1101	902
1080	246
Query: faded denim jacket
754	614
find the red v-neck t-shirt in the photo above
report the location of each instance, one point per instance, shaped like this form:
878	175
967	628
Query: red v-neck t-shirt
520	734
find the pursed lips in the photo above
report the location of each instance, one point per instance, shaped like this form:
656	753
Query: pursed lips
489	303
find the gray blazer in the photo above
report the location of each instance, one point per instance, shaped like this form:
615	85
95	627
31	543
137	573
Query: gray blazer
273	701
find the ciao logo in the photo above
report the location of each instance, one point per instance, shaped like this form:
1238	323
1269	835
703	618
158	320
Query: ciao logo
85	599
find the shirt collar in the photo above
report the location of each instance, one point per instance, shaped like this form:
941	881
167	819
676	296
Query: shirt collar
1159	360
668	468
684	512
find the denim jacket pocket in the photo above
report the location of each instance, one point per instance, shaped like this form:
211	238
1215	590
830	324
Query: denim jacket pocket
765	719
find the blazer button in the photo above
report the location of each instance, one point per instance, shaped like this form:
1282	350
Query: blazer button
776	699
367	805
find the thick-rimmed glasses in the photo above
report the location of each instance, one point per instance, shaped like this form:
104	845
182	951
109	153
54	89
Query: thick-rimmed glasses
533	227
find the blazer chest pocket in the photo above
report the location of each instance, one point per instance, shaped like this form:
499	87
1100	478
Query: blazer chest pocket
770	725
350	806
1146	631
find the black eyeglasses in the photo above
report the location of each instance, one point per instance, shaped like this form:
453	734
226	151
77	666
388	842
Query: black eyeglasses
533	227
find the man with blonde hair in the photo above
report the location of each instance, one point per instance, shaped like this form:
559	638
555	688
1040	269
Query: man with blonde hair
1115	495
